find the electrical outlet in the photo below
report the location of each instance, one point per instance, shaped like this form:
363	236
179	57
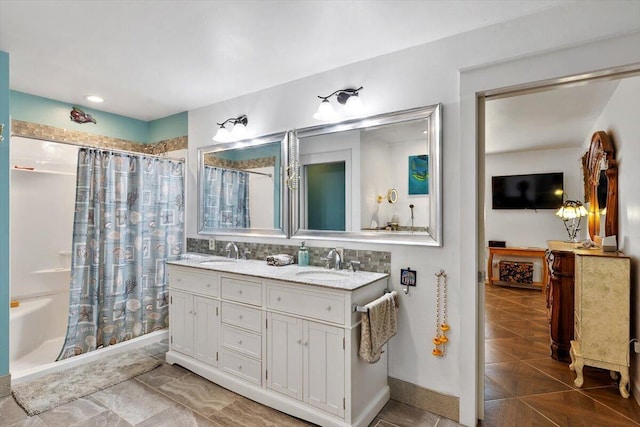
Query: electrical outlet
636	347
212	244
341	252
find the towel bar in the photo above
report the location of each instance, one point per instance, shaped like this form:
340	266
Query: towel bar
362	308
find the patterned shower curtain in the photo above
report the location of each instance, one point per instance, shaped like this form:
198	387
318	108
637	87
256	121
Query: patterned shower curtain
129	220
226	198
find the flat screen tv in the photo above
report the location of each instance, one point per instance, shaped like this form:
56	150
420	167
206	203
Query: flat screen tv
532	191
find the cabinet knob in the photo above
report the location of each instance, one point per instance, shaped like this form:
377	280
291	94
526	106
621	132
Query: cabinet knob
299	341
240	342
194	313
240	368
240	291
306	343
190	311
329	308
208	285
278	299
240	317
178	280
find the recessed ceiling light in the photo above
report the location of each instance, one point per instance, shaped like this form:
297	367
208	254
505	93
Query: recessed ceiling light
93	98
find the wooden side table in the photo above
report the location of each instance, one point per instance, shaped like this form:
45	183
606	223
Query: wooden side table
522	253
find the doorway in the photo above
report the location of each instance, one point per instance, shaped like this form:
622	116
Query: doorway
517	375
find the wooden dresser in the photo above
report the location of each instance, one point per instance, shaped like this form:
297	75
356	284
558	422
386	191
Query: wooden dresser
560	295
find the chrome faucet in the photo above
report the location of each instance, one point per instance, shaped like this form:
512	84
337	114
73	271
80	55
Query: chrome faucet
333	259
231	246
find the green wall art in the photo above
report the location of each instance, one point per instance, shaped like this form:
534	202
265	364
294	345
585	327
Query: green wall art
419	174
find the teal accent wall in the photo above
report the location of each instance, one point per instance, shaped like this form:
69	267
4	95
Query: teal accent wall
4	215
35	109
326	196
168	127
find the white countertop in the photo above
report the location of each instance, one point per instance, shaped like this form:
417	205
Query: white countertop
316	276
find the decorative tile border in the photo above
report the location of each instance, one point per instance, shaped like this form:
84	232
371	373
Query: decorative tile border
379	262
423	398
212	160
55	134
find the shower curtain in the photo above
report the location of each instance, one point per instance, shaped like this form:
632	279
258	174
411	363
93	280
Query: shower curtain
129	220
226	198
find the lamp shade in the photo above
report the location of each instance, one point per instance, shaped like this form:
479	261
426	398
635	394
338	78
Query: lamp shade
325	111
223	135
239	131
353	106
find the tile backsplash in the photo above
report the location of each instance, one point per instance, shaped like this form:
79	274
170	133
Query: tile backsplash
377	261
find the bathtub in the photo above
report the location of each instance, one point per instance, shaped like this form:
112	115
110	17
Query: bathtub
37	328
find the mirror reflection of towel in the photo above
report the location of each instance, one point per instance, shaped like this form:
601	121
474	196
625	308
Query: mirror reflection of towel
379	324
280	260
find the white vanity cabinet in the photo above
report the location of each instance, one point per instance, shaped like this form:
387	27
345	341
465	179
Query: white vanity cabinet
286	344
306	361
193	324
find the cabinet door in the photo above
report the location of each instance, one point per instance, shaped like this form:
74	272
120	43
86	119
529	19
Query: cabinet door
324	367
284	355
205	316
181	322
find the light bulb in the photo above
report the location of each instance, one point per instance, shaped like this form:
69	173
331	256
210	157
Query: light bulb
325	111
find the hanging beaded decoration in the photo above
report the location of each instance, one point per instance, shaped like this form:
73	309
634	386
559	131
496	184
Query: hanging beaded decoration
440	340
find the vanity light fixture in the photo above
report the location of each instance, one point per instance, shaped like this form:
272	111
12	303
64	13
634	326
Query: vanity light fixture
237	132
571	212
347	97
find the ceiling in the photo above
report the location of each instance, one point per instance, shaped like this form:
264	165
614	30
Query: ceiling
150	59
555	118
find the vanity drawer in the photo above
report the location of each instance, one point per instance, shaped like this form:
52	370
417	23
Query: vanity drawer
242	366
193	281
305	302
242	341
242	290
243	317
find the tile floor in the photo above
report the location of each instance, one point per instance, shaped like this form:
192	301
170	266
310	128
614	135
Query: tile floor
170	396
525	387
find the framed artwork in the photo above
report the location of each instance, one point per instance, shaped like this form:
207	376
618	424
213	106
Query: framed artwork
419	174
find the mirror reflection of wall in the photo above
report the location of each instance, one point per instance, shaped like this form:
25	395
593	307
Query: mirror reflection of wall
386	155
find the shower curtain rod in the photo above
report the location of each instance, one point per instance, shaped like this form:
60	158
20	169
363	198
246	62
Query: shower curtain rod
241	170
159	156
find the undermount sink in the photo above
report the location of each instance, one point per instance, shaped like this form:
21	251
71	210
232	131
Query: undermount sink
322	275
216	262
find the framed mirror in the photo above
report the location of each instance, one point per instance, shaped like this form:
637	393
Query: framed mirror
345	167
600	173
240	188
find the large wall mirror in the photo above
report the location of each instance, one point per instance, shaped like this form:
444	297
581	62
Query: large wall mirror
240	188
376	179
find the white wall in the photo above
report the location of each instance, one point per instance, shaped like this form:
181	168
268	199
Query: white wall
261	198
426	75
620	119
526	227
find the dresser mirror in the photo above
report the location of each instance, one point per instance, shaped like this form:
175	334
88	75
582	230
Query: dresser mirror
345	167
240	188
600	172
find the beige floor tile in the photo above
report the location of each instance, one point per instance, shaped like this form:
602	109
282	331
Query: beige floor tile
198	394
132	401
